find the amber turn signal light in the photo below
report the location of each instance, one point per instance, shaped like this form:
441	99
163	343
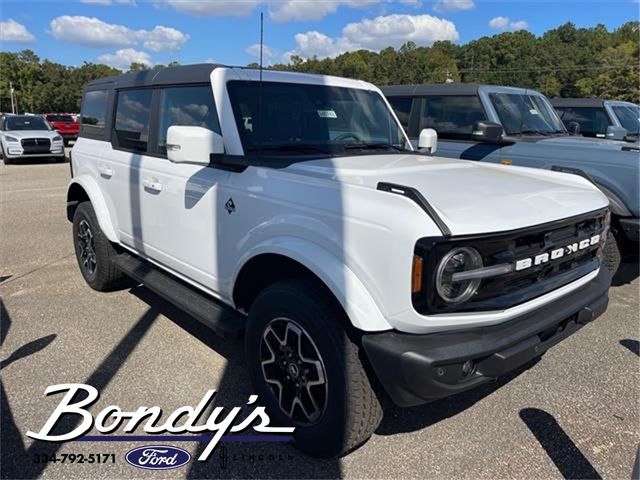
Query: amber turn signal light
416	274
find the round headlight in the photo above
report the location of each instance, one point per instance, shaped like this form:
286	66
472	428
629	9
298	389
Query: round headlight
456	261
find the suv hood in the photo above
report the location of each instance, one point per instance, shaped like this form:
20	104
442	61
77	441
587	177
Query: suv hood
588	142
470	197
20	134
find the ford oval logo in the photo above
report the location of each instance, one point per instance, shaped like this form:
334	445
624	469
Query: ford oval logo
158	457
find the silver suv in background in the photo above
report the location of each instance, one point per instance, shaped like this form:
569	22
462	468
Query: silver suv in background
29	136
610	119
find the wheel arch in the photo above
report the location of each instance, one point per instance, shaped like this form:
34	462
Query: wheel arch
86	189
278	261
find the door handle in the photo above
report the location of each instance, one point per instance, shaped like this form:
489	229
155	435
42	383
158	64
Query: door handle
106	172
153	185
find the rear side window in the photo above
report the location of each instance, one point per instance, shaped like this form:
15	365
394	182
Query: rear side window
94	108
188	106
452	116
593	121
133	114
402	107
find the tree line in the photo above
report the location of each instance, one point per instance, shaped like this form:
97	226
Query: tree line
564	62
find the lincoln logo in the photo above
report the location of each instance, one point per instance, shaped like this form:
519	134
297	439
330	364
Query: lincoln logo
557	253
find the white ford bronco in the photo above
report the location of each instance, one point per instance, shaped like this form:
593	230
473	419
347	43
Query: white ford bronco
291	208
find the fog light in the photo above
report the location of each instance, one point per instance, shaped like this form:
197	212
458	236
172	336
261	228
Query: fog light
467	368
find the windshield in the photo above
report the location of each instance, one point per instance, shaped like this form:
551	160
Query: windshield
26	123
60	118
629	117
526	114
312	119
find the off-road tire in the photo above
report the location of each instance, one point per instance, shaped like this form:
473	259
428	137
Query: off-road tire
105	276
352	411
611	257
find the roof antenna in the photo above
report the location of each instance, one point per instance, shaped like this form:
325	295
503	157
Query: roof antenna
260	88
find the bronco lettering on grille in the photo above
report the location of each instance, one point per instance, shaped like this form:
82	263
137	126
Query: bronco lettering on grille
556	253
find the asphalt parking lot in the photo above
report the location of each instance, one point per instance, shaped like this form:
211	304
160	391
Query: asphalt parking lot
574	414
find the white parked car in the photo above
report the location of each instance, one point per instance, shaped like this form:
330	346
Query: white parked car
296	211
28	136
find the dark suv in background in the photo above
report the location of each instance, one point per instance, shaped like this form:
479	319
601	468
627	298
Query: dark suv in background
517	126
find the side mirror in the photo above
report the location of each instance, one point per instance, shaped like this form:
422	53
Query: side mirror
428	141
487	132
616	133
573	128
192	144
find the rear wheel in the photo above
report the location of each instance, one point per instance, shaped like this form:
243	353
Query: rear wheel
307	370
94	252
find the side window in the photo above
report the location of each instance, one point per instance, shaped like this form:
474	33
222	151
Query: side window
402	107
452	116
593	121
94	108
188	106
132	119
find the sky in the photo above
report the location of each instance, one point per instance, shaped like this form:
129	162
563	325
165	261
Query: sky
118	32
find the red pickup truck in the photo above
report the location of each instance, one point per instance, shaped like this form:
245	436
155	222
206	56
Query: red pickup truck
65	125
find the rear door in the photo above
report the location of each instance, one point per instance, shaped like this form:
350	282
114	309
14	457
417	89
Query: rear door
121	165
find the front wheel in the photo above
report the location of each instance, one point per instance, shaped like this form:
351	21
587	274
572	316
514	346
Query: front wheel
611	257
307	371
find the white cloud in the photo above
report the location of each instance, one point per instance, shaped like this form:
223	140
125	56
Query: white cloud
504	23
109	2
519	25
125	57
12	31
280	11
453	5
93	32
499	23
231	8
268	54
375	34
162	39
305	10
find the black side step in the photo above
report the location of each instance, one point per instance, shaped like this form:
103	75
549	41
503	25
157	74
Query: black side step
224	320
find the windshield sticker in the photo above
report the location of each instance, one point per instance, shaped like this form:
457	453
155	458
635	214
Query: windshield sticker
327	114
533	111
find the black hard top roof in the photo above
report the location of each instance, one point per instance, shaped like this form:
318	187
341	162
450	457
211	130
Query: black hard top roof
198	73
433	89
577	102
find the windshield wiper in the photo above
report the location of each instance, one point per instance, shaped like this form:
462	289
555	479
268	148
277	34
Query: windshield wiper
289	148
533	132
372	146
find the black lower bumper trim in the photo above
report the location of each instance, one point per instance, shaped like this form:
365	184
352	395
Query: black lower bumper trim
416	369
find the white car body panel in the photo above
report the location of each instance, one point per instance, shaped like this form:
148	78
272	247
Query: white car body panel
326	214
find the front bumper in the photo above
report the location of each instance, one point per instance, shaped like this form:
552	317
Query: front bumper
69	136
416	369
631	228
16	152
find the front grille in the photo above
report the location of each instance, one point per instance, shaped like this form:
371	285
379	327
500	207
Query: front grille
516	287
36	145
